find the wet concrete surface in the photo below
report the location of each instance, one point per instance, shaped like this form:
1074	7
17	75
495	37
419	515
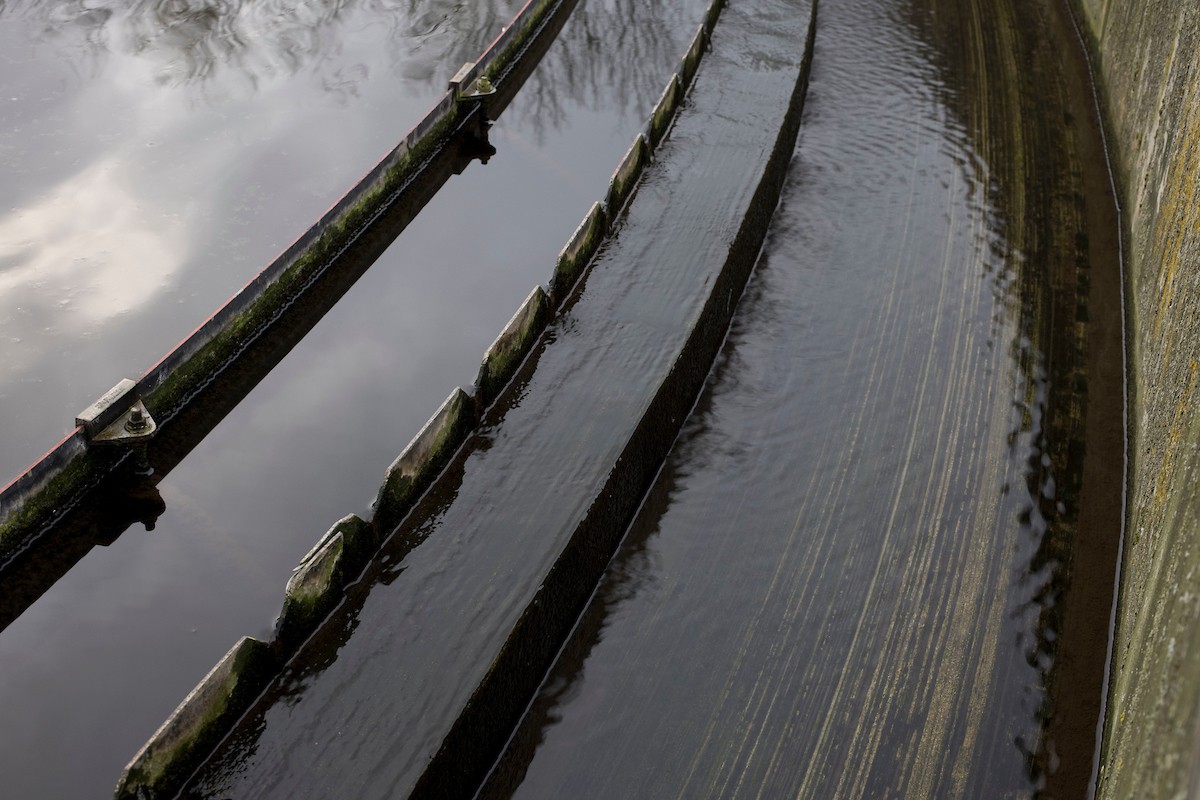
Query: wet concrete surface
96	664
879	560
374	697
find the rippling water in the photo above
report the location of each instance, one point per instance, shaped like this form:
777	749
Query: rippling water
851	578
856	572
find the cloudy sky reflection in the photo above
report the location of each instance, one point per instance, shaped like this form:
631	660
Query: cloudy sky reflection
155	155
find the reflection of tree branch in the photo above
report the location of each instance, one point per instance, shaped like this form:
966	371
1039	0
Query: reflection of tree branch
615	55
199	40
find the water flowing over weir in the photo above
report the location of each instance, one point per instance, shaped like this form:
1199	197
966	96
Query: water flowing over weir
875	562
480	584
877	559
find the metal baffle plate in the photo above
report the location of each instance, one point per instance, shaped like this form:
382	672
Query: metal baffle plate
134	426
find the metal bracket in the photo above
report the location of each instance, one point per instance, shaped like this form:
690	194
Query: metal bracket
481	88
118	417
477	89
133	427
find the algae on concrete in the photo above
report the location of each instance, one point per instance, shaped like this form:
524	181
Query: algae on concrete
578	251
423	459
198	724
500	62
506	353
19	527
316	587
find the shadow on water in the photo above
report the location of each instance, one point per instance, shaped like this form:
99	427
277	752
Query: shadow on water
1034	125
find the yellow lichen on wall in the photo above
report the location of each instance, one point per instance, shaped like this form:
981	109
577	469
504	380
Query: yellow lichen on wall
1148	54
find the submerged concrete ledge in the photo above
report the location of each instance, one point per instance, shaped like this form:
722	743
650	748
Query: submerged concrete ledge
318	584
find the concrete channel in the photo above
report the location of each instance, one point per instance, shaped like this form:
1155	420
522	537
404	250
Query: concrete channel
858	572
880	557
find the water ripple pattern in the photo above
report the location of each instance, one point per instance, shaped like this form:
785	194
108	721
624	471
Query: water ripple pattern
845	582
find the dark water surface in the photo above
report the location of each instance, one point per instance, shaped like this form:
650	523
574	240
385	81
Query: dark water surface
92	668
878	561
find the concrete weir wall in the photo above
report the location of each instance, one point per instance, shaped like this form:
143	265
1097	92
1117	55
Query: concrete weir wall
1146	57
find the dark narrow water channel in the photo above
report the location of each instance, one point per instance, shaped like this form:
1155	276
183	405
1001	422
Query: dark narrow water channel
878	562
91	669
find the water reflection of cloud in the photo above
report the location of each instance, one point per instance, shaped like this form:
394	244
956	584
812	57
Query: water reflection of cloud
89	245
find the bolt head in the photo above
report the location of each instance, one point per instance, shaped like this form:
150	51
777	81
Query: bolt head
137	421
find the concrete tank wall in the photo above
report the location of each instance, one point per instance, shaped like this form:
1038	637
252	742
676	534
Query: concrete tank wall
1147	55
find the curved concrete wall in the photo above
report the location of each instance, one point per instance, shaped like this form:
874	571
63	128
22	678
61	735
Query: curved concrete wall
1147	55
